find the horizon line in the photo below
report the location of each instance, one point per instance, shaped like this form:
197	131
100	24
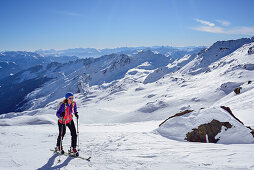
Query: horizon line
154	46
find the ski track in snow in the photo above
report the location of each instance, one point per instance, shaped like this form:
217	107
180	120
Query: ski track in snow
116	146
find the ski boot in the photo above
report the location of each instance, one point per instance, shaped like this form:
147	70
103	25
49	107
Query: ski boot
59	150
73	152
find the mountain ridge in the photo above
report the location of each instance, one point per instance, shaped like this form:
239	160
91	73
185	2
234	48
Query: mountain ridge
114	71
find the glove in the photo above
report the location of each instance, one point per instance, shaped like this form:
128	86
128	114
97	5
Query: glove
62	114
76	114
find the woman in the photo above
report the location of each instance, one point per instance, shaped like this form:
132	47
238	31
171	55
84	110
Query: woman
65	114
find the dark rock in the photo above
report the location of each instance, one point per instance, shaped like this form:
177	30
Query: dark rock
178	114
251	50
104	71
231	113
249	82
237	90
211	129
252	130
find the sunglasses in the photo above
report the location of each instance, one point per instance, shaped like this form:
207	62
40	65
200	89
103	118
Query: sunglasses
70	98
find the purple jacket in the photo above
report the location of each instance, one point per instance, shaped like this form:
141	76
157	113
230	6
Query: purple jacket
62	109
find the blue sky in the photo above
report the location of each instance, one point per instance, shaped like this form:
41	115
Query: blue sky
62	24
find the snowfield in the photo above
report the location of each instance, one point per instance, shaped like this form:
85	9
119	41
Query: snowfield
117	146
123	99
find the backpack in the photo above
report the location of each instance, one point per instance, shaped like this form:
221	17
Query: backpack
59	105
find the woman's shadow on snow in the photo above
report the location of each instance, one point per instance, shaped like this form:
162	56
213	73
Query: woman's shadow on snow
49	164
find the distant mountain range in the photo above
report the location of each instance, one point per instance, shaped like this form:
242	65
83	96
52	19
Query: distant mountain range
32	80
95	53
11	62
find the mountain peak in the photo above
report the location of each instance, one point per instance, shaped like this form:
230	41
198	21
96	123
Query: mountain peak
215	52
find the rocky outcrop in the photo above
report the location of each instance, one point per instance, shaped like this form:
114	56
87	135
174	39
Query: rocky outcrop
207	132
231	113
207	125
251	50
237	90
252	130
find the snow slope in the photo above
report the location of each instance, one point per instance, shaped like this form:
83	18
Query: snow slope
215	52
117	146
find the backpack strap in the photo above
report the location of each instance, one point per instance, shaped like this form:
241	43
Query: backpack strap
64	109
73	104
65	106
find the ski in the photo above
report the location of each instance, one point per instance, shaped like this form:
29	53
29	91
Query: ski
71	155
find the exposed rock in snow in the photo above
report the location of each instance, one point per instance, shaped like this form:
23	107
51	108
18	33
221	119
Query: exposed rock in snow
207	132
195	125
251	50
237	90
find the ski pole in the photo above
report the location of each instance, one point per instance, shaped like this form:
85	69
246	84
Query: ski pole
65	124
78	135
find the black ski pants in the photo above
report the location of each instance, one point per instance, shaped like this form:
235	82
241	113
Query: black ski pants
72	128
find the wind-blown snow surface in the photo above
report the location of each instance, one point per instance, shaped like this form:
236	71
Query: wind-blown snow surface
119	118
117	146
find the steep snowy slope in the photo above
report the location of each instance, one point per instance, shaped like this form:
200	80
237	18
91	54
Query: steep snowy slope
15	88
79	75
171	93
238	64
215	52
8	68
241	104
170	68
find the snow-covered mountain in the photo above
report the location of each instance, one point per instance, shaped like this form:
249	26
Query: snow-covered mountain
72	76
122	99
26	59
61	59
117	71
15	61
173	52
16	87
80	52
196	64
8	68
12	62
212	54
